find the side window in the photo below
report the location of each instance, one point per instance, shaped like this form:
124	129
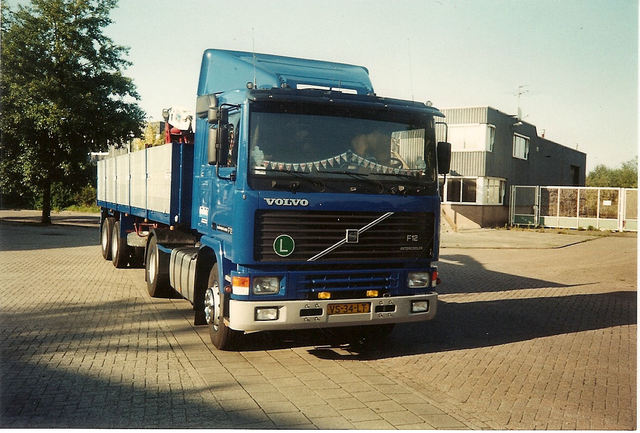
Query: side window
492	137
520	146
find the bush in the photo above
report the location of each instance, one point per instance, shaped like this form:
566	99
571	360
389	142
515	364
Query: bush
86	196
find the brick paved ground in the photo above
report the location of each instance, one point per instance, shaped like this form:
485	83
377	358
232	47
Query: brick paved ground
523	339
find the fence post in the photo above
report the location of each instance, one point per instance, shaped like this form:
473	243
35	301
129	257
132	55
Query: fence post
578	210
598	211
512	200
536	207
558	209
621	203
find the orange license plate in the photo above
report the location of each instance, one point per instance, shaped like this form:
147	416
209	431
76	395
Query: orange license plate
359	307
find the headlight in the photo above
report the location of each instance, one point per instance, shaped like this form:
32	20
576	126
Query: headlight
266	313
418	280
265	285
419	306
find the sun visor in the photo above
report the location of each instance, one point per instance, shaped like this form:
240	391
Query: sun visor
224	70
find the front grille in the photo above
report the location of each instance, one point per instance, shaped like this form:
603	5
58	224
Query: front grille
351	285
402	235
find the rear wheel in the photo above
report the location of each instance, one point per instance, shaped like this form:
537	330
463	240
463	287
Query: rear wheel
120	251
106	229
223	337
157	271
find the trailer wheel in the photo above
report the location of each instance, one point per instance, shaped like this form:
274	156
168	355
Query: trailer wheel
106	230
120	251
157	271
223	337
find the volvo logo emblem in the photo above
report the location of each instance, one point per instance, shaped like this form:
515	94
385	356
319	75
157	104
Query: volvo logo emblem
287	201
352	236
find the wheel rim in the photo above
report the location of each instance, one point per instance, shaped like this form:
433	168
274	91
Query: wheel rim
208	306
105	236
114	242
212	306
152	265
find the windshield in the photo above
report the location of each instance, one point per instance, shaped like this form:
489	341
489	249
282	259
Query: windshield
383	147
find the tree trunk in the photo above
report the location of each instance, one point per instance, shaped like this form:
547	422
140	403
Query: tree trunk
46	203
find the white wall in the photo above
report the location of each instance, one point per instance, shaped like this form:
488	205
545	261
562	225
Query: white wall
471	137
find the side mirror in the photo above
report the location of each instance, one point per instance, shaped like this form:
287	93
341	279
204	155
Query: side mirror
444	157
218	145
203	103
212	151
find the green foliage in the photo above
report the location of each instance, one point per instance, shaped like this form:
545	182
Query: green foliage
65	197
63	95
151	136
626	176
86	196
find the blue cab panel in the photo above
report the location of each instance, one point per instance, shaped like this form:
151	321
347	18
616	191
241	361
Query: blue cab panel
222	71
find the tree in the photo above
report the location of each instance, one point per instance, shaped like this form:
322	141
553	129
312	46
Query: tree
63	94
624	177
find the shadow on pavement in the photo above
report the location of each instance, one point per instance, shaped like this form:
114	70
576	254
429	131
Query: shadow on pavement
22	237
470	325
92	221
463	274
36	396
104	365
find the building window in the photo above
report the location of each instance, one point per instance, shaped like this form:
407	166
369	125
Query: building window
468	191
453	190
460	190
491	139
473	190
520	146
493	190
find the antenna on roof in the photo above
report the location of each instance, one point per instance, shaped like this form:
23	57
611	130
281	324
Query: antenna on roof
253	53
521	91
410	68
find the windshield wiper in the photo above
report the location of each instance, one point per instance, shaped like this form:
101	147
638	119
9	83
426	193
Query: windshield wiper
294	186
396	175
358	176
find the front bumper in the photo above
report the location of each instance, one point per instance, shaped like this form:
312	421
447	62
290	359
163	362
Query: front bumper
295	314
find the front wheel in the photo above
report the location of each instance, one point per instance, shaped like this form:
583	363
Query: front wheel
223	337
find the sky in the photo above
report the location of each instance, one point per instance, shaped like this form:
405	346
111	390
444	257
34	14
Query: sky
577	59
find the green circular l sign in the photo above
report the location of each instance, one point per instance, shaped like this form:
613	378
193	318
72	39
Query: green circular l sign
284	245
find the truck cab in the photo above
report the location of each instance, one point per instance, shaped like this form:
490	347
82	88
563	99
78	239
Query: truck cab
313	202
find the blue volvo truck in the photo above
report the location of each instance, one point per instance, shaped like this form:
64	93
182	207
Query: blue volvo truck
302	200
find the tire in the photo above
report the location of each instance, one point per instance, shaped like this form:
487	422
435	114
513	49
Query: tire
120	251
156	270
106	229
222	337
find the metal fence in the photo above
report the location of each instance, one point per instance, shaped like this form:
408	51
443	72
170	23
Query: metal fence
574	207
